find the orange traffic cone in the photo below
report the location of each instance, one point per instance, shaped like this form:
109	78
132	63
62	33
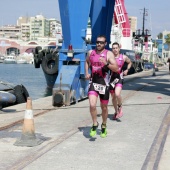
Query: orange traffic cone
28	137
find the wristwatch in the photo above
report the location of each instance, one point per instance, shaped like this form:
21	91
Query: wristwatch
107	64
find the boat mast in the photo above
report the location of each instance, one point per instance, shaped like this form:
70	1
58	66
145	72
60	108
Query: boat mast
143	25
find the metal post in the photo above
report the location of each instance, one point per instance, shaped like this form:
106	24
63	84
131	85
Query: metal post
154	74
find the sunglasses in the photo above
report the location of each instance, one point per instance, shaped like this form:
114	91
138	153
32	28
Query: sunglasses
100	42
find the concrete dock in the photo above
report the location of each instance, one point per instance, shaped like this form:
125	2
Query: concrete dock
139	140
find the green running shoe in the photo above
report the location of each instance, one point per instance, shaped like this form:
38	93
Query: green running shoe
93	130
103	133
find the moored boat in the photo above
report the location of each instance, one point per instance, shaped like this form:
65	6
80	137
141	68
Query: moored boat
1	59
10	60
22	61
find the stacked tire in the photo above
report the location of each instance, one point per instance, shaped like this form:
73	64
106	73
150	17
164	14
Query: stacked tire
37	57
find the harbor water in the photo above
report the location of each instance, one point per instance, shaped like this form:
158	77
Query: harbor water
26	74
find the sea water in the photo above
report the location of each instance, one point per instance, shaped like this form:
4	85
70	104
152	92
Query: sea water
29	76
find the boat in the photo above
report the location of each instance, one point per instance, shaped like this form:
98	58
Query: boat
1	59
22	61
31	61
11	94
10	59
121	32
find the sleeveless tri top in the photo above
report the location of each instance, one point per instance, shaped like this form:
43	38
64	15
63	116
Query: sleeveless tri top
120	62
98	69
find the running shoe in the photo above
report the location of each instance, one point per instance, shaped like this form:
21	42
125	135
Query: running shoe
103	133
120	112
93	130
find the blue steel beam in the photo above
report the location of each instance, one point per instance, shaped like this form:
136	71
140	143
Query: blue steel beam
74	18
101	16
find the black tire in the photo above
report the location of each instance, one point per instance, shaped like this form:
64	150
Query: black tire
25	92
21	94
37	56
37	49
50	64
36	63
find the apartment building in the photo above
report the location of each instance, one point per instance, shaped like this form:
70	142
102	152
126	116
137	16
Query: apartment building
39	27
25	31
23	20
10	31
55	27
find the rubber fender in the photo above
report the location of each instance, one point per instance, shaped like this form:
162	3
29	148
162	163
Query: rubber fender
21	94
37	49
50	64
38	59
7	97
36	63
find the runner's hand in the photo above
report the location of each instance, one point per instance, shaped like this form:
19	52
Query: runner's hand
125	72
88	76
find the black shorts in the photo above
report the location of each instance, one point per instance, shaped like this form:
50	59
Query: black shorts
99	90
116	81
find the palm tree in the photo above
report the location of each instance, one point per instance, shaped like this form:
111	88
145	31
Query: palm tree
49	34
27	34
160	35
167	40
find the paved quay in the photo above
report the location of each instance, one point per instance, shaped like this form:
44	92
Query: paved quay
139	140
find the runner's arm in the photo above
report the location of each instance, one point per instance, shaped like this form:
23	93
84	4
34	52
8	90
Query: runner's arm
127	60
87	64
111	62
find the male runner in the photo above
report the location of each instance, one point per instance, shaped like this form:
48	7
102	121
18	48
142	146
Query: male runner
99	61
116	80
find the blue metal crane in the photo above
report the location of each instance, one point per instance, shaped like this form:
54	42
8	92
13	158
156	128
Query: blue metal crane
71	85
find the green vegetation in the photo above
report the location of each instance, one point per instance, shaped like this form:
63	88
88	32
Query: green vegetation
160	35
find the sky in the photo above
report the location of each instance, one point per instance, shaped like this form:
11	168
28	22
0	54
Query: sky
156	21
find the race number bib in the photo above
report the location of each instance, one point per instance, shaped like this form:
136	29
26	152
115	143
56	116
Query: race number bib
114	82
100	88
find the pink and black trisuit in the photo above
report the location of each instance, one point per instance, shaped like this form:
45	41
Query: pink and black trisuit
117	78
99	82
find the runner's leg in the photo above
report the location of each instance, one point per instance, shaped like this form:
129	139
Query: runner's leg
93	110
118	90
114	102
104	112
104	108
